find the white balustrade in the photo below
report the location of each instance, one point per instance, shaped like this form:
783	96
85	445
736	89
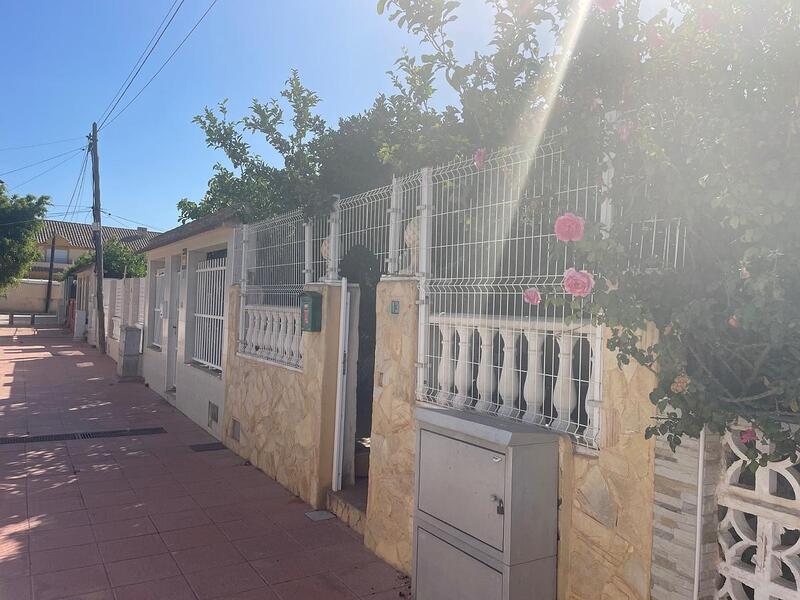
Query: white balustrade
273	334
512	383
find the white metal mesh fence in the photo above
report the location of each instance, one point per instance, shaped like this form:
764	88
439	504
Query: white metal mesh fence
489	346
280	256
209	312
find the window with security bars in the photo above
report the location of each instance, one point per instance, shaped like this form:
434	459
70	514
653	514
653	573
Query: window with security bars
209	312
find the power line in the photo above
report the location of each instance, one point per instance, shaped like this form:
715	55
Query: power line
80	190
53	143
108	122
36	219
39	162
78	181
131	78
117	218
141	56
55	166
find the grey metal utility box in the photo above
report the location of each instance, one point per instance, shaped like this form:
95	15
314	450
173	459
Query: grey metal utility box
486	508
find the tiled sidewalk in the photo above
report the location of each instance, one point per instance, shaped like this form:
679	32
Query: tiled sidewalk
147	518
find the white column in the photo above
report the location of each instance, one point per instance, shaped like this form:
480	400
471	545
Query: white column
445	372
508	386
296	335
394	228
463	370
485	380
565	396
534	380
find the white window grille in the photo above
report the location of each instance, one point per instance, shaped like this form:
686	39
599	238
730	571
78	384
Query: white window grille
141	303
280	256
759	532
489	230
209	312
159	307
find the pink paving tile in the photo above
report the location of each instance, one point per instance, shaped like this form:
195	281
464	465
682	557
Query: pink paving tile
263	593
180	520
138	570
62	559
55	504
141	483
14	567
146	545
319	586
71	518
217	497
403	593
234	512
98	487
204	535
224	581
341	557
16	588
102	595
14	508
168	505
206	557
372	578
104	532
247	528
61	538
109	514
326	533
63	584
175	588
273	543
263	491
169	490
287	567
100	499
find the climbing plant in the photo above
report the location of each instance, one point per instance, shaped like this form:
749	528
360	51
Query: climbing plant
690	119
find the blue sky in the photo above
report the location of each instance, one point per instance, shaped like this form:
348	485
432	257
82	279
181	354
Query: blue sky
63	61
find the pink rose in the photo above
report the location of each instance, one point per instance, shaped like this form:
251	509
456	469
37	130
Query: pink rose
708	20
605	5
569	228
532	296
480	158
748	435
624	132
578	283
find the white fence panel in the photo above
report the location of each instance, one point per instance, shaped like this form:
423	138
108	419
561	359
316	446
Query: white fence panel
759	530
209	313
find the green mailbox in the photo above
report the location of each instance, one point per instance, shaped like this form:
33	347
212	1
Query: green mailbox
311	311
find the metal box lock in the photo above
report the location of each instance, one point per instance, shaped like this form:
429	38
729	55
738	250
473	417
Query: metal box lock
311	311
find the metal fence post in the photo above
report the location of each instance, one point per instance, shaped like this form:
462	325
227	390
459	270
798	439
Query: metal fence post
308	238
333	241
242	288
394	228
423	266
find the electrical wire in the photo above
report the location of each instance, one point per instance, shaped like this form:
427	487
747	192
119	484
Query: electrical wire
36	219
78	181
108	122
80	191
55	166
139	60
39	162
72	139
118	98
117	217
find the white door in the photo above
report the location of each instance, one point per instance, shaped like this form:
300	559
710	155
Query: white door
158	308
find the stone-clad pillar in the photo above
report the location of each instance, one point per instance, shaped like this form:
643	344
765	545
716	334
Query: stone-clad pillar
388	530
675	519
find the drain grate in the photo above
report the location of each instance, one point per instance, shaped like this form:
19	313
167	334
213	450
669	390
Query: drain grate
86	435
207	447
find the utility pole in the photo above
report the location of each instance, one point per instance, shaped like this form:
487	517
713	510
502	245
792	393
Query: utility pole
97	231
50	275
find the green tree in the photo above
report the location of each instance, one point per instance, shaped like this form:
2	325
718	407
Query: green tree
700	108
20	220
118	261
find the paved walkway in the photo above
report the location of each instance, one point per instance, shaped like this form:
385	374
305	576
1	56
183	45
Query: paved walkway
147	518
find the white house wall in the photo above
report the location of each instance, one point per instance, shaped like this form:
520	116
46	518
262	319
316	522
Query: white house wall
195	386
